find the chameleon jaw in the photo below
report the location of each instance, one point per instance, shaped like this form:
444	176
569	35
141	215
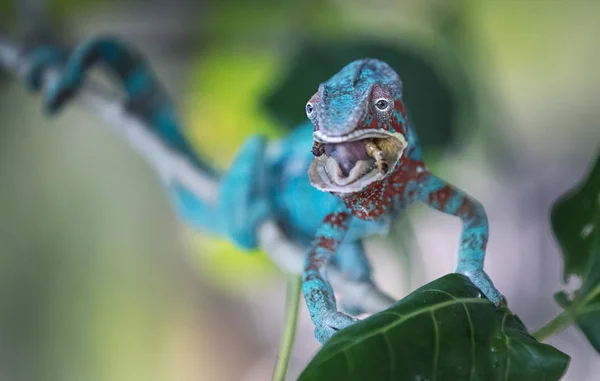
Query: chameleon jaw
366	156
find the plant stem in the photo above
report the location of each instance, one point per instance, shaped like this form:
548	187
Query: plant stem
292	299
554	326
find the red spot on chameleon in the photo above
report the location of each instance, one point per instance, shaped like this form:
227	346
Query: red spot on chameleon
441	196
315	260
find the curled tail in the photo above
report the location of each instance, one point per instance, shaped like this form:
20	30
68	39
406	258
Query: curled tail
145	97
234	204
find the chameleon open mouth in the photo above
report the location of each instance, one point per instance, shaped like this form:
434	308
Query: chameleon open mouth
346	164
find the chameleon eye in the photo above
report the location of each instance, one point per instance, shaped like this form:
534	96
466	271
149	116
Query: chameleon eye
382	104
309	109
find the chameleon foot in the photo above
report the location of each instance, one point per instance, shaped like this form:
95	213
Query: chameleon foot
330	323
480	279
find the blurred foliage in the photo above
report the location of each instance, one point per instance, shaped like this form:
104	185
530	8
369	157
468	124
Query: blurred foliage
229	268
424	89
88	286
233	21
575	221
223	108
64	8
443	331
7	14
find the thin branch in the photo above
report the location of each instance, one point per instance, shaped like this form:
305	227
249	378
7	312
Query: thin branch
173	167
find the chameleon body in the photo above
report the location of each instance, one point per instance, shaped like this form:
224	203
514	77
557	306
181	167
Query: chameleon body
368	168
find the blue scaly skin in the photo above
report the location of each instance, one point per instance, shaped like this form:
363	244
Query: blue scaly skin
367	155
266	180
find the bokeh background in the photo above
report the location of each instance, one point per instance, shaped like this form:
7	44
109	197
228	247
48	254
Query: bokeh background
100	281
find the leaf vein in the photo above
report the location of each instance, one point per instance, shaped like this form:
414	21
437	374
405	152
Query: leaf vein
392	356
437	345
350	364
440	291
472	328
507	340
534	358
395	314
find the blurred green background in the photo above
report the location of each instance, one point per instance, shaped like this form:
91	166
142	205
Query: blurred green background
98	279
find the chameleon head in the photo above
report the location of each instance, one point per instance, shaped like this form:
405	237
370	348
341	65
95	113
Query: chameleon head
360	127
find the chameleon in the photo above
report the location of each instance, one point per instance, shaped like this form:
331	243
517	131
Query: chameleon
367	155
364	168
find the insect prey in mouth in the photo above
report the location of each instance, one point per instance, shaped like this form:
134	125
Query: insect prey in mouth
318	149
376	153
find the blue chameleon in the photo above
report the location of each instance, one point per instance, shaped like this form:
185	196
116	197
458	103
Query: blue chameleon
365	166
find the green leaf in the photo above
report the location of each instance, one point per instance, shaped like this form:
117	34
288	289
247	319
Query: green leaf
444	331
575	221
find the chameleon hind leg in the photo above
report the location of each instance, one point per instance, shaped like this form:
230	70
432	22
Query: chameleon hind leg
196	212
241	204
244	193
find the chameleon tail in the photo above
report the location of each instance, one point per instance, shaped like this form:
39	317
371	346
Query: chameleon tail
145	97
241	203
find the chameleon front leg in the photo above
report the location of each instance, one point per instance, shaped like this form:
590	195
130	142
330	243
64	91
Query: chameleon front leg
317	291
198	213
444	197
242	204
